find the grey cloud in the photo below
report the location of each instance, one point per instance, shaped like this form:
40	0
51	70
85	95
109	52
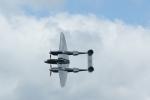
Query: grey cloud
121	58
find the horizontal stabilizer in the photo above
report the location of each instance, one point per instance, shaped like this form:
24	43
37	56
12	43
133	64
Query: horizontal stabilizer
90	63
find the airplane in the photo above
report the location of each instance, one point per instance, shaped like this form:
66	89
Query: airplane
63	61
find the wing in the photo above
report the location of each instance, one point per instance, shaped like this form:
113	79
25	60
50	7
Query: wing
63	75
63	47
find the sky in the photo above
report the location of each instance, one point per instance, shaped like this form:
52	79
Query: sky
117	31
131	11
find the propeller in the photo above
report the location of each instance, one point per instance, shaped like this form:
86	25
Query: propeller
50	73
50	69
50	54
50	64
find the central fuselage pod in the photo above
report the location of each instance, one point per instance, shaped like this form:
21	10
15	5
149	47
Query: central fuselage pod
57	61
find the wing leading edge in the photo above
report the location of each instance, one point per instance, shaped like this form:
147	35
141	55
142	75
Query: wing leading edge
63	47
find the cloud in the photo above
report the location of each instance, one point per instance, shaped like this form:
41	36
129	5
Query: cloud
121	58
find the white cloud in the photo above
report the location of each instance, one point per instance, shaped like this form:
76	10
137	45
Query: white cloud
121	58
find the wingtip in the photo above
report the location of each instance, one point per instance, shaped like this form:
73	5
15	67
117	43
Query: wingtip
62	84
62	33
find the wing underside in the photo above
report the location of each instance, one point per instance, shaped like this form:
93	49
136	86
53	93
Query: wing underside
63	47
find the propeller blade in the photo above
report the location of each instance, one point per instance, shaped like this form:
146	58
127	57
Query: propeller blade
50	66
50	56
50	69
50	73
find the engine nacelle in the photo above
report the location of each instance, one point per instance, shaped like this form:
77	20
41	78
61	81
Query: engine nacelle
91	69
55	53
